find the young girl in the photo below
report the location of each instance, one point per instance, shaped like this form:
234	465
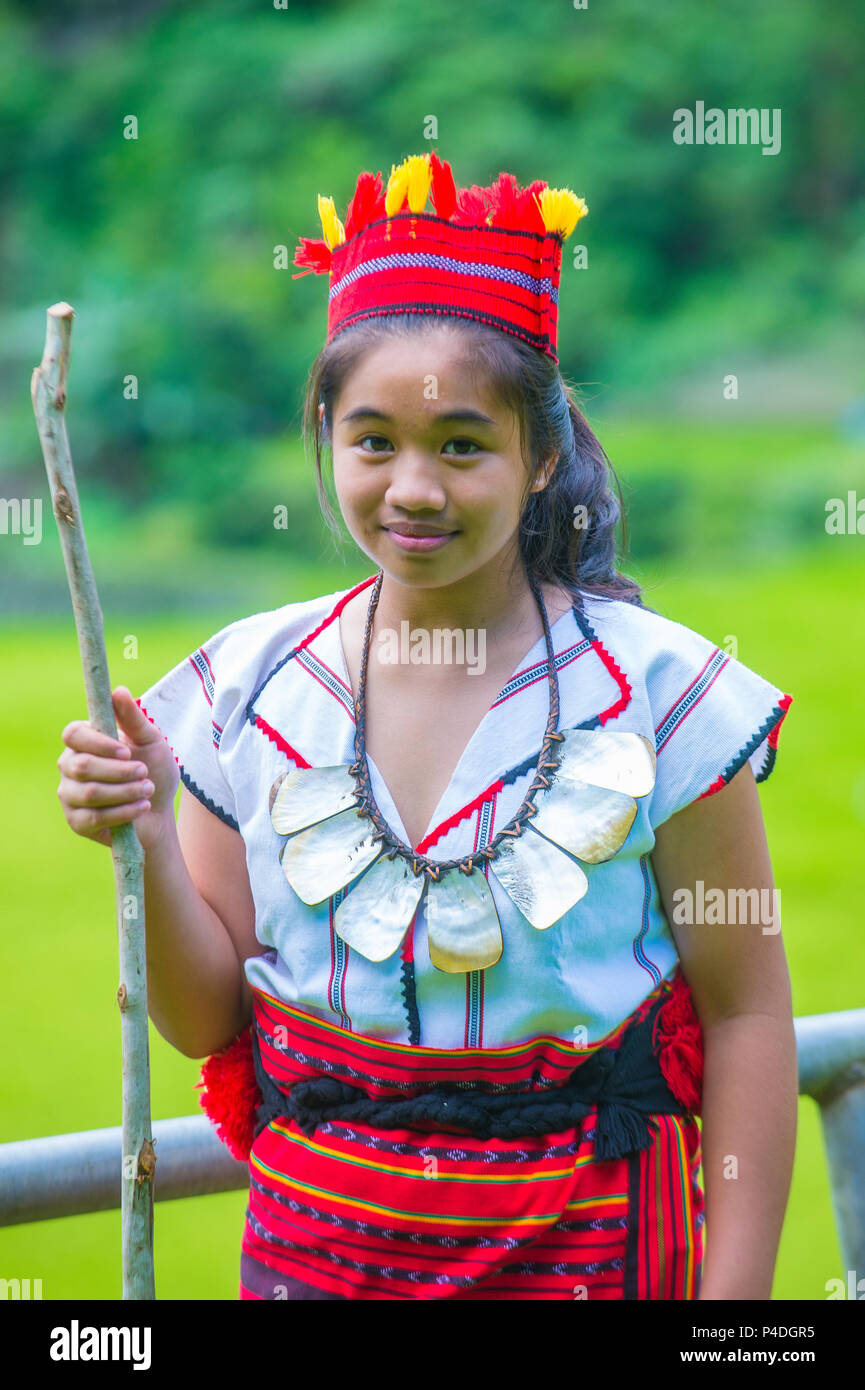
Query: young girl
460	902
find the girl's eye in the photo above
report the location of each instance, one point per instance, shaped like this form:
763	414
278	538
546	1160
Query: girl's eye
470	442
462	452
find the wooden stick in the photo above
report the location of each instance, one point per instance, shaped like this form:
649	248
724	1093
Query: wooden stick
48	391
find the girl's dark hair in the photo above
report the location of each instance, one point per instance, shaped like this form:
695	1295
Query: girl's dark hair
555	549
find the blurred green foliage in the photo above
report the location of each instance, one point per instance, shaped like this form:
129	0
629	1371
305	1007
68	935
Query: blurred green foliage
702	262
700	259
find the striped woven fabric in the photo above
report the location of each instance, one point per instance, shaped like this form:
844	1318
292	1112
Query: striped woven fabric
422	264
355	1212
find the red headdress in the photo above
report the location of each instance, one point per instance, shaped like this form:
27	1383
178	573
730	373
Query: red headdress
491	254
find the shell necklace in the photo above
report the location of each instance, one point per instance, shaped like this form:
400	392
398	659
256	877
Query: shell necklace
579	806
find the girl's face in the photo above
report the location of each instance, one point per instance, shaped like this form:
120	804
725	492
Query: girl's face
426	461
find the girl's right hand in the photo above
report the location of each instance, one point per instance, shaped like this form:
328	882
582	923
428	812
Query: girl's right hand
106	782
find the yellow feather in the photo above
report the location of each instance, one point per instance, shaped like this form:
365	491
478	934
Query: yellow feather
396	188
419	180
561	210
332	228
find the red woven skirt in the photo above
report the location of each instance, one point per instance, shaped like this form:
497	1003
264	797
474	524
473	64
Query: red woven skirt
352	1211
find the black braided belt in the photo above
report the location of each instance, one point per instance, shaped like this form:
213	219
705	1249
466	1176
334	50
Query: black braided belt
626	1084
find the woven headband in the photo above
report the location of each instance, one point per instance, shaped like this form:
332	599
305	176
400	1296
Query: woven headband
490	254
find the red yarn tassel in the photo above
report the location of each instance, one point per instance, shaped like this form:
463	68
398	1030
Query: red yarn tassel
529	214
471	205
504	202
366	205
315	255
678	1039
230	1094
515	207
442	188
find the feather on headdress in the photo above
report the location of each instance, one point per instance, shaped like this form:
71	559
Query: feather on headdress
492	254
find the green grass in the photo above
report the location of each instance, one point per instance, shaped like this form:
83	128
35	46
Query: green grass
799	624
721	493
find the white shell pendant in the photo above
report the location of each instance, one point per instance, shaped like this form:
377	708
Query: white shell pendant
586	812
543	882
308	795
588	822
322	859
374	915
619	762
462	922
589	807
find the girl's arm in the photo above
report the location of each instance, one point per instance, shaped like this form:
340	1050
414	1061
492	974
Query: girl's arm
741	988
200	929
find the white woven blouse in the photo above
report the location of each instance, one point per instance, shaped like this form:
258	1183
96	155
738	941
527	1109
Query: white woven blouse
272	692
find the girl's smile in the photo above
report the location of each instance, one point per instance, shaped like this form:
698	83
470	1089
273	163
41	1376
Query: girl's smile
418	543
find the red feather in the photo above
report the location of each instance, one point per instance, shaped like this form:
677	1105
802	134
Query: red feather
444	194
315	255
528	213
504	201
366	205
515	207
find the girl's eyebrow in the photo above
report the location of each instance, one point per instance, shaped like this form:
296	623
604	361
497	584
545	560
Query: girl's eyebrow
365	412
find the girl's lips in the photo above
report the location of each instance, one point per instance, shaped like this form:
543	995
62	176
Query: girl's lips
406	542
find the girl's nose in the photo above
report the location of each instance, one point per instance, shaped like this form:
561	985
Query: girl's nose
415	484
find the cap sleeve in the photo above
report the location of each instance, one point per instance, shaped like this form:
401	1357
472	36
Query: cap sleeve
190	706
711	715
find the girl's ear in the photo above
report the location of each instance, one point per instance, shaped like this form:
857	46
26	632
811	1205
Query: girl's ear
543	478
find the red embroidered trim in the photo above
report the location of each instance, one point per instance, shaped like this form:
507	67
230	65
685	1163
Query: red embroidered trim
276	737
783	704
619	677
611	665
335	611
458	816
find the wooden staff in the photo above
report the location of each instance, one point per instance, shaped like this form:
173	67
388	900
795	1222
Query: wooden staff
48	391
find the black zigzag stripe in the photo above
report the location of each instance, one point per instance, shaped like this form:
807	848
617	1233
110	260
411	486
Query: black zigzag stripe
250	714
531	762
754	742
206	801
409	994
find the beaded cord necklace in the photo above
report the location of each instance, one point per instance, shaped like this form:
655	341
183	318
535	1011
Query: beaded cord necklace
337	836
359	769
